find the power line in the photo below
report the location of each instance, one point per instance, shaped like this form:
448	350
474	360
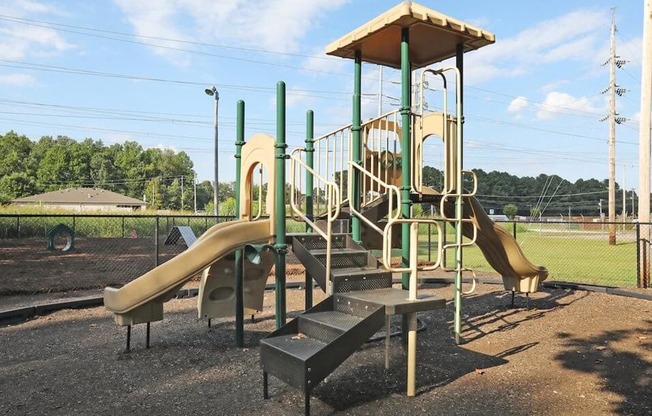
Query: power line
249	60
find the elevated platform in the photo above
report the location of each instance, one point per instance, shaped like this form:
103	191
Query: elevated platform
395	301
434	37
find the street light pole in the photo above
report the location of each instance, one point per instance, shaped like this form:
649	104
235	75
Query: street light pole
212	91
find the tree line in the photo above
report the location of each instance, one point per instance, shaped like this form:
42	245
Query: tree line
156	175
547	195
160	175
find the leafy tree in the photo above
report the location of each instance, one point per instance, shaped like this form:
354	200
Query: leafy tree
4	199
228	207
154	194
17	185
510	211
204	196
15	151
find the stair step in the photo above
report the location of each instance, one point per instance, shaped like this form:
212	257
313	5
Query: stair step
328	325
300	347
337	251
315	241
343	257
295	353
357	271
361	278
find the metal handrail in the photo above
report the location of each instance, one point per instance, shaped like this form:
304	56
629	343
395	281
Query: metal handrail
337	142
387	247
333	203
391	191
376	142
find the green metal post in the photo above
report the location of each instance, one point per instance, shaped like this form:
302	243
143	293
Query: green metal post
356	156
406	169
310	161
280	246
239	267
459	61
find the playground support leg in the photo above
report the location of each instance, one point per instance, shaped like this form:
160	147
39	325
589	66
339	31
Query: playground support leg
356	151
309	289
307	403
310	161
280	246
239	299
239	267
459	189
265	385
128	338
406	169
387	339
412	354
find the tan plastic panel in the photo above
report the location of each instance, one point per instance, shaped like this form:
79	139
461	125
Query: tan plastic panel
217	288
220	240
433	37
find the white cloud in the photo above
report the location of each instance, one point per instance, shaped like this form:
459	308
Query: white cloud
319	63
574	36
299	98
558	104
17	80
276	26
518	104
18	41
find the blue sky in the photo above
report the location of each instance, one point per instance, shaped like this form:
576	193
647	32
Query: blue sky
121	70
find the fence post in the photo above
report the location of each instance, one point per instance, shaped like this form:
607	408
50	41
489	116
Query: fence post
156	243
123	226
514	229
638	253
74	223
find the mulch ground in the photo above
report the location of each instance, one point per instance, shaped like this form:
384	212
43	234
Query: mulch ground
571	353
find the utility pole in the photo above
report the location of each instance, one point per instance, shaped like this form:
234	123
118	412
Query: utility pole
613	118
181	193
194	191
380	90
645	133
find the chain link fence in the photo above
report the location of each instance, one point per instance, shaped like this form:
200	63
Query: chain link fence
113	250
58	253
572	251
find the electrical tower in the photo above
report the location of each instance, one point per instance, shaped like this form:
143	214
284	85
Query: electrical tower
613	90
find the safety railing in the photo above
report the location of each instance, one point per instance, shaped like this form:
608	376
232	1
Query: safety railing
413	265
381	138
332	152
392	192
333	204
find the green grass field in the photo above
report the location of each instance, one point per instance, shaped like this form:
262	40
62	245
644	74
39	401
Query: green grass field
582	258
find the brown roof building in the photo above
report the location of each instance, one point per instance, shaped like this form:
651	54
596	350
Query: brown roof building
82	200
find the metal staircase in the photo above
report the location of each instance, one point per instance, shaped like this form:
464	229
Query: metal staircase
352	266
306	350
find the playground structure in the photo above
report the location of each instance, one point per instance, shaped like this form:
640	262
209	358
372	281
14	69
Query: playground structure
354	189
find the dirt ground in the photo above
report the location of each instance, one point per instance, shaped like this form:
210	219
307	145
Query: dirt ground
27	267
571	353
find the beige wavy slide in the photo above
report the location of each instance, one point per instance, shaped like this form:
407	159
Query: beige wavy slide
141	300
499	248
